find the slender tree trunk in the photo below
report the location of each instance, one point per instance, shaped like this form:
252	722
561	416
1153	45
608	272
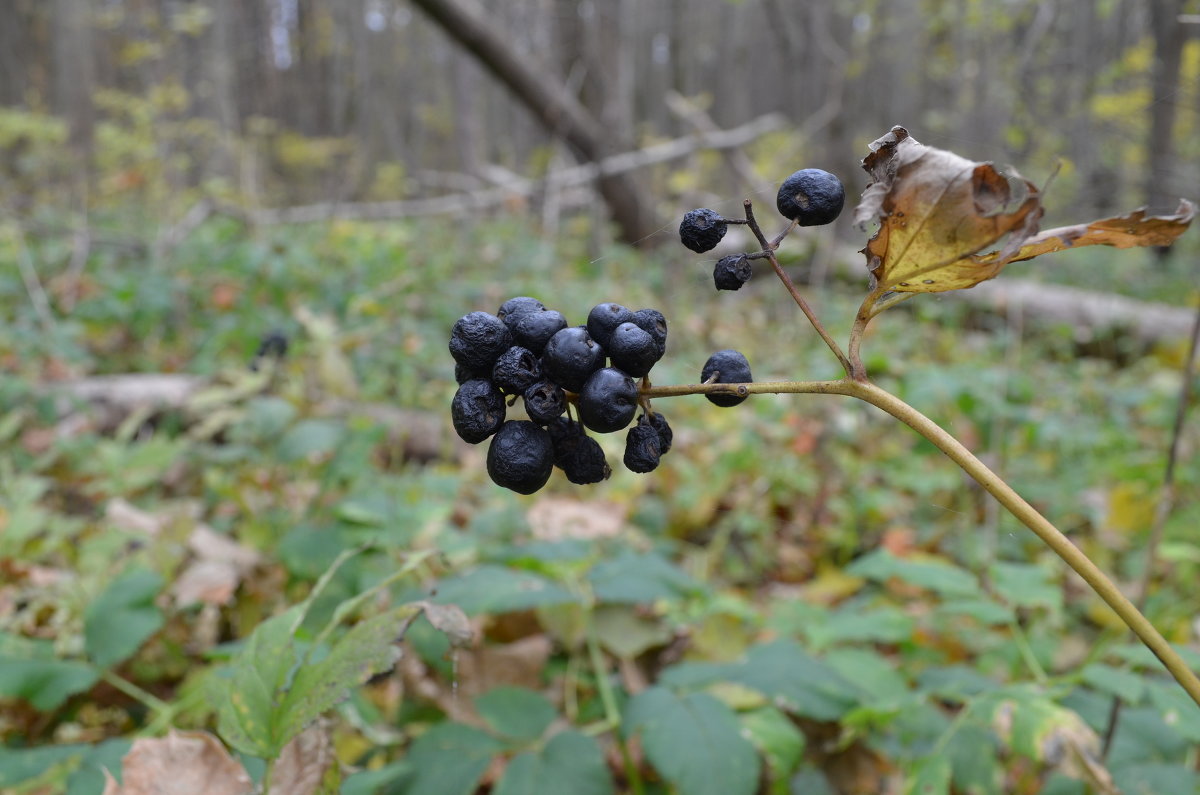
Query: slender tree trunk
1169	36
554	107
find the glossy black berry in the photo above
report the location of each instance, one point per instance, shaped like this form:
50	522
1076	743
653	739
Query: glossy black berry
477	410
608	400
665	435
642	448
701	230
520	457
478	339
633	350
533	330
729	367
563	432
732	272
509	310
571	356
653	323
811	197
544	402
604	318
516	370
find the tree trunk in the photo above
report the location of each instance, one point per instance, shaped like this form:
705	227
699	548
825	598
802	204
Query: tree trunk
1169	36
554	107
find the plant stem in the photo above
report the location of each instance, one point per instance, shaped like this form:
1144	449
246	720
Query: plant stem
610	708
769	248
992	483
149	700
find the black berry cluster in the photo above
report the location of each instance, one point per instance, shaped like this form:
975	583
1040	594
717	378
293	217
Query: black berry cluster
528	352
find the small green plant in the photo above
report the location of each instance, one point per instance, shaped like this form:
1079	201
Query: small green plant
937	217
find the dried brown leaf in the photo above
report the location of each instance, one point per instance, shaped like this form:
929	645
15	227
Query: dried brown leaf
935	211
1124	231
304	766
556	518
182	763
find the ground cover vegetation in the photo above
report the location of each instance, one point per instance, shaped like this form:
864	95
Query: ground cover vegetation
803	596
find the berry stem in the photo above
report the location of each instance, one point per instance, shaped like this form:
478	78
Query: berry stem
991	482
769	247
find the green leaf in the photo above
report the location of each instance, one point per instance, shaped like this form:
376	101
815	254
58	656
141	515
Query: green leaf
869	672
1176	708
449	759
880	625
627	634
122	617
1156	779
373	782
987	613
258	674
941	576
1129	686
310	438
569	763
929	776
694	742
781	671
88	778
45	683
369	648
18	765
495	589
780	743
1025	585
972	751
954	682
516	713
637	579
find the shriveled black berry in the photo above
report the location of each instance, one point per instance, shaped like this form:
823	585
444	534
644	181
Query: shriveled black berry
544	402
583	461
729	367
665	435
632	349
564	432
478	339
653	323
520	457
533	330
509	310
464	374
571	356
811	197
604	318
642	448
477	410
701	230
608	400
516	370
732	272
273	345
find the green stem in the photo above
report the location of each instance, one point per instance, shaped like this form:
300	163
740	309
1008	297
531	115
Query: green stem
610	708
149	700
992	483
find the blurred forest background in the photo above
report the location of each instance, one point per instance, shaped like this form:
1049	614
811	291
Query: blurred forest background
802	579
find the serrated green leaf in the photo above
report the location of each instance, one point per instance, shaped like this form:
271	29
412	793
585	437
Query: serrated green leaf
122	617
516	713
782	671
369	648
929	776
878	625
694	742
569	763
45	684
1129	686
779	741
258	675
870	672
937	575
972	751
954	682
449	759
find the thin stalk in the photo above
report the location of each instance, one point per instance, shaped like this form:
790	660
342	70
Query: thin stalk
769	247
1166	503
610	709
149	700
993	484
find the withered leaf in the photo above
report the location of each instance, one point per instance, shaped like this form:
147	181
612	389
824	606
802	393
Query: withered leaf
182	763
936	210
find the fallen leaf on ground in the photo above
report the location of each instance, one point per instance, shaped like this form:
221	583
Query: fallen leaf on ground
182	763
305	765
